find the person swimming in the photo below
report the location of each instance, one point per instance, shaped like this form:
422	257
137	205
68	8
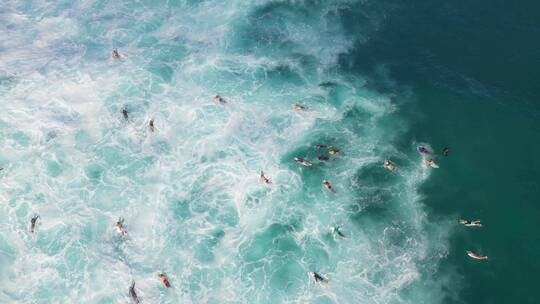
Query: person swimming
218	99
151	125
329	186
321	146
323	158
133	293
333	151
125	113
338	232
467	223
265	179
115	54
120	227
164	279
33	223
477	256
423	150
318	278
303	162
298	107
389	165
431	163
446	151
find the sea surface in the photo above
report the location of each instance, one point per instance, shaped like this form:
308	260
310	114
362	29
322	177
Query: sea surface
376	78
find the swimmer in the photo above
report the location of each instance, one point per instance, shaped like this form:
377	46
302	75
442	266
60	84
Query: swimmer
467	223
303	162
164	279
431	163
33	223
323	158
125	113
120	227
476	256
298	107
115	54
321	146
329	186
333	151
133	294
446	151
389	165
219	99
318	278
338	232
265	179
423	150
151	125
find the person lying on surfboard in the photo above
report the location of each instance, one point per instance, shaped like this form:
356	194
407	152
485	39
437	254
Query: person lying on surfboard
163	278
318	278
337	231
302	162
390	165
298	107
423	150
265	179
329	186
431	163
115	54
467	223
219	100
477	256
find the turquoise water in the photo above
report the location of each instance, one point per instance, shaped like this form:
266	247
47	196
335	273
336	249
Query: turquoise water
377	79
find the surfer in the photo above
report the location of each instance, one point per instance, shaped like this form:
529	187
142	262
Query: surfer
125	113
319	278
321	146
120	227
164	279
115	54
329	186
33	223
323	158
477	256
219	99
467	223
133	293
446	151
265	179
151	125
303	162
338	232
298	107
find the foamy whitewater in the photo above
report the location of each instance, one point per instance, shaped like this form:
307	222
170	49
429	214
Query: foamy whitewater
190	193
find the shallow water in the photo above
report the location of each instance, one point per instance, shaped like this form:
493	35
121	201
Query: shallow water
190	193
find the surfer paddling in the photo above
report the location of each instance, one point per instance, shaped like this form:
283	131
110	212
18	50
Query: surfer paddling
467	223
333	151
120	227
338	232
163	278
318	278
323	158
33	222
151	126
115	54
423	150
329	186
431	163
390	166
477	256
133	293
265	179
125	113
302	162
298	107
321	146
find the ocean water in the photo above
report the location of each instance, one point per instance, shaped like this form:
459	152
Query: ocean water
377	79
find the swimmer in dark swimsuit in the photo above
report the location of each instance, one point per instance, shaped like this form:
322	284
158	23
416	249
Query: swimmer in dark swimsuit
319	278
115	54
125	113
133	293
322	157
423	150
338	232
33	223
329	186
265	179
219	99
151	125
446	151
164	279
